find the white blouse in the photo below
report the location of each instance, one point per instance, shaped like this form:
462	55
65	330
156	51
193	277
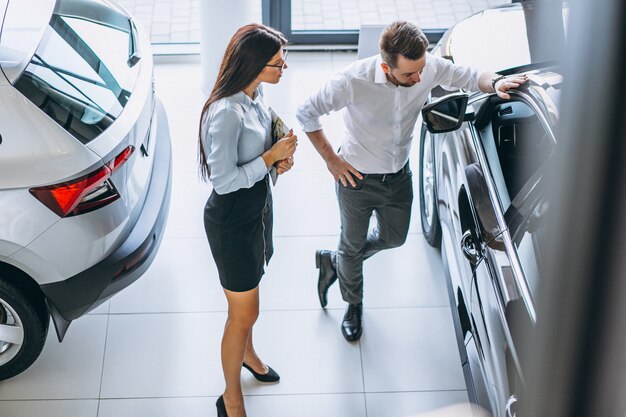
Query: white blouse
235	133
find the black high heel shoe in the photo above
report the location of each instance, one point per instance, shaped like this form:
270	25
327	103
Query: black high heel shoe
221	407
270	376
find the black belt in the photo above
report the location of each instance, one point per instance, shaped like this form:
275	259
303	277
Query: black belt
383	177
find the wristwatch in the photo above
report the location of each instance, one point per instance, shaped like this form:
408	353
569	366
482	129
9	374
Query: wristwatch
495	80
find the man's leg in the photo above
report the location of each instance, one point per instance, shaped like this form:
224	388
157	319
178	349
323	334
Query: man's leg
392	217
355	209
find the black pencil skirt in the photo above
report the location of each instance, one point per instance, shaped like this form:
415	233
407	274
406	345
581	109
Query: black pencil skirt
238	226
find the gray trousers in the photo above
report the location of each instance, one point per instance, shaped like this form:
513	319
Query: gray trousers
389	197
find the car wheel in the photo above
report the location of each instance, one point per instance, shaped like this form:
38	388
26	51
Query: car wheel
23	328
428	192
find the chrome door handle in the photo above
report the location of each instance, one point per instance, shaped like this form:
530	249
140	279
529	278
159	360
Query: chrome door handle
468	247
510	406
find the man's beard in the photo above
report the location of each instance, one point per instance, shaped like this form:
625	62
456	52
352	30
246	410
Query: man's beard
397	82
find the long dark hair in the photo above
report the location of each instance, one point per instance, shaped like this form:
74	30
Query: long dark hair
250	48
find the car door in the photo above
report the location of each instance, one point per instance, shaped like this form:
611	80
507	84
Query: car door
463	195
512	142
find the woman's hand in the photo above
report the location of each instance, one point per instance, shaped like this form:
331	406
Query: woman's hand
282	149
284	165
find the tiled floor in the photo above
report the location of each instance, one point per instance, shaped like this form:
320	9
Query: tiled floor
153	350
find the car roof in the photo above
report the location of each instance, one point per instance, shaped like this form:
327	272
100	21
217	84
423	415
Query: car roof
22	29
495	39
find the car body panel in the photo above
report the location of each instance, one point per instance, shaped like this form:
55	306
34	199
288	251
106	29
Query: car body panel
3	7
496	285
132	257
23	28
494	291
492	299
35	150
79	260
90	237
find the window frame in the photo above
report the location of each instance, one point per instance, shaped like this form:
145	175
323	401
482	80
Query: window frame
277	14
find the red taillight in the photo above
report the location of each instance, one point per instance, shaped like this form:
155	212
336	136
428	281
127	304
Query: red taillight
83	194
121	158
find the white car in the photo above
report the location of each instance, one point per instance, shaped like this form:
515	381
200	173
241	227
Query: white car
85	166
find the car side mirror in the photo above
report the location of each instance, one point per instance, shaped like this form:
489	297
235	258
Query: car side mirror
445	114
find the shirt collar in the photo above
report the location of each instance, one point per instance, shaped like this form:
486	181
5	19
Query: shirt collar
245	101
379	74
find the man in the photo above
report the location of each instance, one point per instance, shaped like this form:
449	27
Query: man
381	97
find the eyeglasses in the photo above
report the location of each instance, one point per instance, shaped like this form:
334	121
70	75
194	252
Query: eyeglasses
280	66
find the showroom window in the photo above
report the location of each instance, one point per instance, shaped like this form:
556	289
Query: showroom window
306	21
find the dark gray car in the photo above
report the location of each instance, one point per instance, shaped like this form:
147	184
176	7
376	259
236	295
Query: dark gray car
482	162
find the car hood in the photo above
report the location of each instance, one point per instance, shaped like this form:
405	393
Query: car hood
496	39
22	30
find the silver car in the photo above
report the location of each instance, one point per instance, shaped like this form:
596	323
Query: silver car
85	166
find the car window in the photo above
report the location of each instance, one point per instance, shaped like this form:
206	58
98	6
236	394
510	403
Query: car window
79	75
516	144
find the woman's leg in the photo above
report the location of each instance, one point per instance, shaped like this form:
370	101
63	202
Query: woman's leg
243	310
252	359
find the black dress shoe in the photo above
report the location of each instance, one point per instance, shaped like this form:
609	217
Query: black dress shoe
328	274
351	327
221	407
270	376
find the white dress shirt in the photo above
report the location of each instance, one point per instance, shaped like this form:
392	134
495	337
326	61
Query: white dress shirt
380	117
235	133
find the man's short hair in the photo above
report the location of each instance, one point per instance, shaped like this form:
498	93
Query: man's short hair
402	38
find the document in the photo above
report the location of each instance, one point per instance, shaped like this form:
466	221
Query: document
279	131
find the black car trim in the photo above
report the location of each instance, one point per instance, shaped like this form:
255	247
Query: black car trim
515	265
75	296
458	330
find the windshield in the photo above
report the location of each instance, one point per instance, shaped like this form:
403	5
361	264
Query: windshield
80	75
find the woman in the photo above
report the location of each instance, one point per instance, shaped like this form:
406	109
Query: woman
236	153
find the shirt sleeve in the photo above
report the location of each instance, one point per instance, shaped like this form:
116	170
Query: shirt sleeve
451	76
224	132
334	95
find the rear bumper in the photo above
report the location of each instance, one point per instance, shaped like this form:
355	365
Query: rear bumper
69	299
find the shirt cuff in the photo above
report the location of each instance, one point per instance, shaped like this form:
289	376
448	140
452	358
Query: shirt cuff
308	124
257	170
312	126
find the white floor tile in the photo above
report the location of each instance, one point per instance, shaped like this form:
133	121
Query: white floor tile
333	405
163	334
291	279
182	279
59	408
308	351
408	276
163	355
102	309
410	349
305	205
68	370
158	407
330	405
405	404
185	218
